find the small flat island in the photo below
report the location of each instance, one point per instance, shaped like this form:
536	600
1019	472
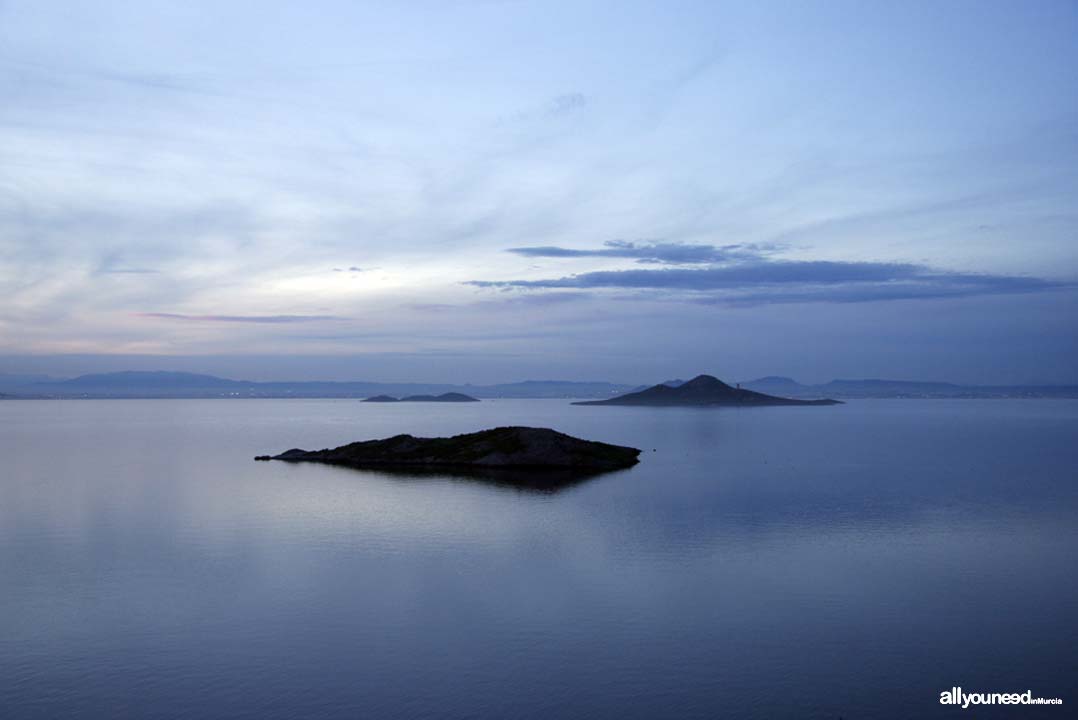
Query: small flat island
704	391
524	448
449	397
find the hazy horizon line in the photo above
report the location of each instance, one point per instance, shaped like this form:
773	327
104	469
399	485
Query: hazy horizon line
678	377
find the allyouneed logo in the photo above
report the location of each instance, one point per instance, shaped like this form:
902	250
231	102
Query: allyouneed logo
955	696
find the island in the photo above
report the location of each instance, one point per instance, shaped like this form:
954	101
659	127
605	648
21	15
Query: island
449	397
702	391
523	448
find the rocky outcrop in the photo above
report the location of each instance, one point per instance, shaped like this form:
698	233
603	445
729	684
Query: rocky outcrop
504	447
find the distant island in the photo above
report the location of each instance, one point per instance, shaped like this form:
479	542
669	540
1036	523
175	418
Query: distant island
504	447
702	391
449	397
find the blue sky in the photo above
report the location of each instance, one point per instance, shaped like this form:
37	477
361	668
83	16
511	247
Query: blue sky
474	191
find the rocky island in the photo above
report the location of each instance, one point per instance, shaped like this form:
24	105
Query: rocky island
523	448
702	390
444	397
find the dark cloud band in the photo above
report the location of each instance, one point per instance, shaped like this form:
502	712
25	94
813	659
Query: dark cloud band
764	281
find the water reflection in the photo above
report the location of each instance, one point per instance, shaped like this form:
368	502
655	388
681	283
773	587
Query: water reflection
545	481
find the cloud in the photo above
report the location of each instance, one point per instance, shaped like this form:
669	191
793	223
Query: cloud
957	286
128	271
567	103
795	281
558	106
544	299
262	319
171	82
352	269
514	301
655	252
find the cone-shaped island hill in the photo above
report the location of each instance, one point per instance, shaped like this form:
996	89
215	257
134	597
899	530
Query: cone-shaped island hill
702	390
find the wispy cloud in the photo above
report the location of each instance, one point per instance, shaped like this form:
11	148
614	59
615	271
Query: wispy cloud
654	252
558	106
113	264
263	319
928	288
128	271
507	302
567	103
171	82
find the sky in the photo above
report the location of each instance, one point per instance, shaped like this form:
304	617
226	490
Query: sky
454	191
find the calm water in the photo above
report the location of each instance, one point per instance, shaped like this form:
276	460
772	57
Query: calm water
852	561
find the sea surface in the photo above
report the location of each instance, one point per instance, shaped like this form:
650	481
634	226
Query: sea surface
805	562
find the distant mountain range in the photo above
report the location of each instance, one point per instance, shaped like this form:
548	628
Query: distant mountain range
876	388
449	397
138	384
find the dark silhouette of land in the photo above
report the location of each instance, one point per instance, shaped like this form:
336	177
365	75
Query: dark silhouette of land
908	389
449	397
499	448
702	390
444	397
156	384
